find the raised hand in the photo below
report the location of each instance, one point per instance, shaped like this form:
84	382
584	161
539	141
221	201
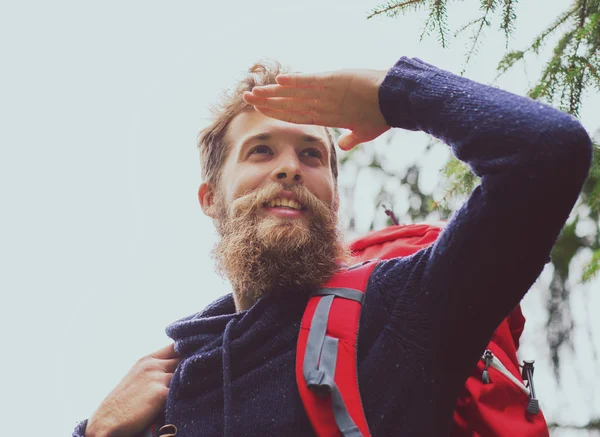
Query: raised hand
137	400
346	99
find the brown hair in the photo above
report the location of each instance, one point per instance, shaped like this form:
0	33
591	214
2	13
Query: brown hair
212	140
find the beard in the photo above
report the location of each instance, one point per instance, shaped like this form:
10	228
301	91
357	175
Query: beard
262	254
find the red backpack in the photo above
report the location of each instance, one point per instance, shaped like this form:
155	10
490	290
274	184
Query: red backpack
495	400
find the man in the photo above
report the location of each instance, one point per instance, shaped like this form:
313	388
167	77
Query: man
270	175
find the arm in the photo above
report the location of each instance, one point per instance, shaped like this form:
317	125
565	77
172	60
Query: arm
532	160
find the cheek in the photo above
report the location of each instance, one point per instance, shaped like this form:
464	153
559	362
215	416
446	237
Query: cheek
243	180
323	187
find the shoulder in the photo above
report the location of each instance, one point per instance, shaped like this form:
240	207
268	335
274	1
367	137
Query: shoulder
400	269
396	277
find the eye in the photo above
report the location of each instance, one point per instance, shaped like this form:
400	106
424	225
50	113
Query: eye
261	150
312	153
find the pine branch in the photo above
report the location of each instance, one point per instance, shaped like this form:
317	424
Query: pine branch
466	26
575	88
592	268
537	43
514	56
483	21
550	73
393	9
591	188
460	175
508	18
425	28
591	68
582	12
576	79
586	30
440	14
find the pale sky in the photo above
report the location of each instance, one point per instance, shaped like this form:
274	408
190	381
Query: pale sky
102	241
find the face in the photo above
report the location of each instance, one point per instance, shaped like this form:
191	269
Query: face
275	209
266	152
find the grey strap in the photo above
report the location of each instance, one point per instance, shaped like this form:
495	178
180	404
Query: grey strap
340	412
346	293
319	364
316	336
329	356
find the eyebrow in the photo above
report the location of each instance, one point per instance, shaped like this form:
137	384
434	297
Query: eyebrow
263	136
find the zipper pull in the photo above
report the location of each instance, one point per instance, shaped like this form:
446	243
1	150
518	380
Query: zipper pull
487	357
533	406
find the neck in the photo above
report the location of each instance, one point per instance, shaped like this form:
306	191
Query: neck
242	302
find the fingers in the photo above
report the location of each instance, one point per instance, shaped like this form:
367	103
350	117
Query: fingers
302	79
281	104
287	91
348	141
165	379
166	352
170	365
292	117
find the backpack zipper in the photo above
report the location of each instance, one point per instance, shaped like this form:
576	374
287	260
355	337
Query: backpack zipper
492	361
533	407
489	359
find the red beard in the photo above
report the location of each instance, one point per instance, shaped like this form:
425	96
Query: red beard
262	254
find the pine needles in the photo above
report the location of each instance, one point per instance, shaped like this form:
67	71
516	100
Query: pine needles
572	69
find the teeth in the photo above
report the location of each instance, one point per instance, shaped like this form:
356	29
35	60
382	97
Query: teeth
288	203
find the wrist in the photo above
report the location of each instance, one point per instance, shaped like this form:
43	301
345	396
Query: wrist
98	429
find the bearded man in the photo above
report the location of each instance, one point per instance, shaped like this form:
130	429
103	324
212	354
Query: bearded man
270	184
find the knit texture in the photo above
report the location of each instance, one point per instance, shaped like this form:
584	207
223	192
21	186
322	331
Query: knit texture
426	318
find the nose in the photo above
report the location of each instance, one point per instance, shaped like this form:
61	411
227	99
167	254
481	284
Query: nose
288	169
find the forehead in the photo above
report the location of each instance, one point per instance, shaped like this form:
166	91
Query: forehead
251	123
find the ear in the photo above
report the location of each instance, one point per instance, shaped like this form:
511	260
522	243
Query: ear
206	196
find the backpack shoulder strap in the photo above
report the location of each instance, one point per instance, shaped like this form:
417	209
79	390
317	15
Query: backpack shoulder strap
326	368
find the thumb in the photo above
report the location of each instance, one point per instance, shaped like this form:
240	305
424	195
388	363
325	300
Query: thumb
349	140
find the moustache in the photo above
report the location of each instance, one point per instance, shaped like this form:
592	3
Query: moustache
253	201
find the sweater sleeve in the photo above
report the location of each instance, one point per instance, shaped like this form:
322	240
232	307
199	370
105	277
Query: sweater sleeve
80	429
532	160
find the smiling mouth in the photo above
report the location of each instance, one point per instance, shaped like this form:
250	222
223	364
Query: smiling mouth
280	202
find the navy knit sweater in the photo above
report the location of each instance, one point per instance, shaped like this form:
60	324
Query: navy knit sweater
426	318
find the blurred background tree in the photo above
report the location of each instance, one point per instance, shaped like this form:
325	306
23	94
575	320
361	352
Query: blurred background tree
571	71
